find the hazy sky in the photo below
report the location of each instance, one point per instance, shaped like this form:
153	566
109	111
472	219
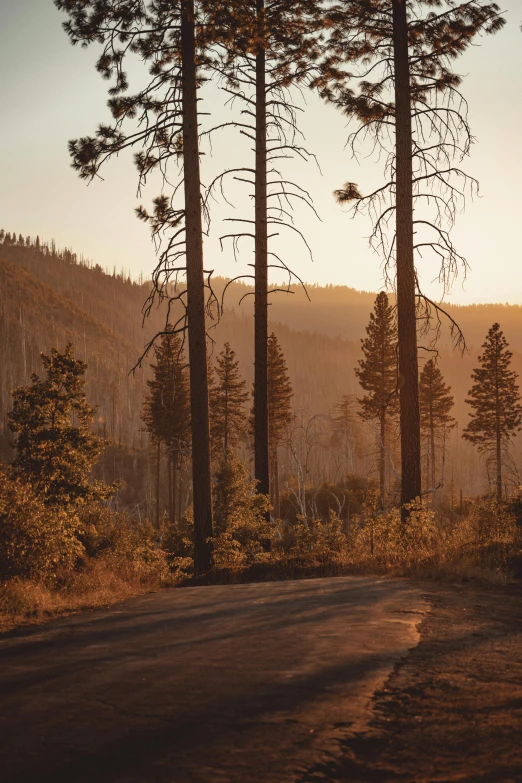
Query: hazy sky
50	93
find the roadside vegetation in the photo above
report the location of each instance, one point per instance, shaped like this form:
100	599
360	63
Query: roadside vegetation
66	545
57	561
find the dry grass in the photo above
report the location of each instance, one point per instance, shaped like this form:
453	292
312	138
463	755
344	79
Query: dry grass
100	582
484	546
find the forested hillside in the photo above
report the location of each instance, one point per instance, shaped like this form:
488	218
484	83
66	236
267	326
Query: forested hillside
50	297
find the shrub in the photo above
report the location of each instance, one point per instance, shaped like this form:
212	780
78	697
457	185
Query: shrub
35	541
177	539
243	534
488	537
483	543
314	540
125	544
392	544
514	506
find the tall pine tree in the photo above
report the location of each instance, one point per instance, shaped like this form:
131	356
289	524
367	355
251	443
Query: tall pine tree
495	401
407	98
377	374
55	446
435	404
167	38
344	420
227	403
166	412
279	412
269	46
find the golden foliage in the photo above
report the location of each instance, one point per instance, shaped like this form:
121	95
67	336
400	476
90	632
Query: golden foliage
35	541
243	532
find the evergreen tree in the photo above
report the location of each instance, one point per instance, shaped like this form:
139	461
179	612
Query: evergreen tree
241	515
270	46
435	405
279	411
344	419
377	374
166	411
408	99
227	402
55	447
167	36
495	401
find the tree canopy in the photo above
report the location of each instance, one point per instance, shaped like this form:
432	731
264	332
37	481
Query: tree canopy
55	446
495	400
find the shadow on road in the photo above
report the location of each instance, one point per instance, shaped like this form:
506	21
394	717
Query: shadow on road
205	684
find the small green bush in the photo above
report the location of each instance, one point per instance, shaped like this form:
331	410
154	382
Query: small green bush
316	540
127	543
35	540
243	534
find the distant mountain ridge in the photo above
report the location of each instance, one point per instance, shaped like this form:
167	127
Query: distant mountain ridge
48	298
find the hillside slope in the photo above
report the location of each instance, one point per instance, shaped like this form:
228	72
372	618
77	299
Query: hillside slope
33	319
46	301
48	298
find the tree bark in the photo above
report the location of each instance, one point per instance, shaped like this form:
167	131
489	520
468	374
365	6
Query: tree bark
158	484
498	437
174	487
180	495
499	465
201	475
277	497
261	456
406	315
382	462
225	444
170	491
432	448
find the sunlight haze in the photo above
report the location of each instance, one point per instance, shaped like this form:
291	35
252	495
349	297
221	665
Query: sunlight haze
54	94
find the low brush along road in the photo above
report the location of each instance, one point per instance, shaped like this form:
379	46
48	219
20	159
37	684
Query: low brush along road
270	683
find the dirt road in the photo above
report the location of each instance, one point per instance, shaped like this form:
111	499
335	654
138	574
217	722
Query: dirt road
452	709
239	683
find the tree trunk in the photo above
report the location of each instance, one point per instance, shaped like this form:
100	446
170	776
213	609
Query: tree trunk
382	462
158	484
499	465
277	504
170	490
225	444
271	474
180	495
174	486
201	476
261	458
433	478
406	315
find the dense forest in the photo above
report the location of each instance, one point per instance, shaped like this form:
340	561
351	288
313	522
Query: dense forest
49	297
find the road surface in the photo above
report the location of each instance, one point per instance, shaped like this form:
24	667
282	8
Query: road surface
238	683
